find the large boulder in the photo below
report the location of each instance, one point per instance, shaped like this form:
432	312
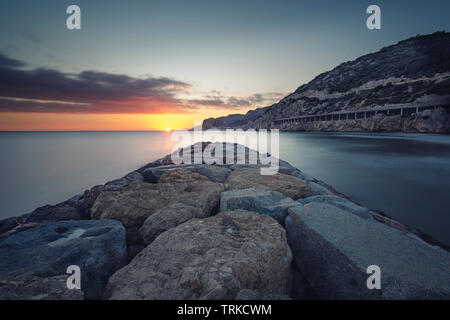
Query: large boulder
10	223
84	201
318	188
333	249
136	202
339	202
290	186
31	287
97	247
181	175
211	258
215	173
153	174
166	218
262	201
62	211
19	228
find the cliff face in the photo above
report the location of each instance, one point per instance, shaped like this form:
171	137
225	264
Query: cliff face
234	120
414	72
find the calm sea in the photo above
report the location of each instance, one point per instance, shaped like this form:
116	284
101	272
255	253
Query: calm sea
405	175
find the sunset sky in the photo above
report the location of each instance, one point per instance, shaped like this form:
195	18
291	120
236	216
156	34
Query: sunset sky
152	65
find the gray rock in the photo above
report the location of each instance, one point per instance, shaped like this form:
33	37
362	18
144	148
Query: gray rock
97	247
18	228
268	202
9	224
318	189
339	202
181	175
333	248
121	183
215	173
301	288
246	166
287	168
247	294
297	173
134	176
210	258
290	186
85	202
166	218
153	175
164	161
59	212
136	202
30	287
149	175
76	197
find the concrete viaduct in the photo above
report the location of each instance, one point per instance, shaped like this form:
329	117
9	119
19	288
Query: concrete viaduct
403	110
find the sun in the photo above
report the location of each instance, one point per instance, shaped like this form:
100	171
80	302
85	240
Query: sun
168	129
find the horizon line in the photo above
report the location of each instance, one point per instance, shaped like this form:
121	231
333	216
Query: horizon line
4	131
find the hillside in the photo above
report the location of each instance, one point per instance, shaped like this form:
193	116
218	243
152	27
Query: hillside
412	73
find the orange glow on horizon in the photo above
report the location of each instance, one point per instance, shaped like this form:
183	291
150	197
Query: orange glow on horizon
105	122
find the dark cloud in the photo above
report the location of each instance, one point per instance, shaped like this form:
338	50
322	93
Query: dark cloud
6	62
207	102
100	91
233	101
255	100
47	90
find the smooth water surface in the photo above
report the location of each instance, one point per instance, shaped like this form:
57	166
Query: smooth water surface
405	175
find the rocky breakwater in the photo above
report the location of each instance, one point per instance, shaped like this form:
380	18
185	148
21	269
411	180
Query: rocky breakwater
187	231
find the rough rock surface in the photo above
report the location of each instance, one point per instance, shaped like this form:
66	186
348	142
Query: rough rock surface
290	186
215	173
333	249
97	247
9	224
339	202
262	201
137	202
36	288
319	189
84	202
17	229
166	218
180	175
58	212
211	258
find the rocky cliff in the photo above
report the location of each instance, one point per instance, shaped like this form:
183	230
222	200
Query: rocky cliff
412	73
234	120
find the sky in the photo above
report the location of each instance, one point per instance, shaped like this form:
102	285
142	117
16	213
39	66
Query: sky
152	65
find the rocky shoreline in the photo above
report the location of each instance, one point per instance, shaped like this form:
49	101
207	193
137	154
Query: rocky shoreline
412	73
198	231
